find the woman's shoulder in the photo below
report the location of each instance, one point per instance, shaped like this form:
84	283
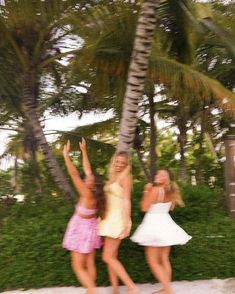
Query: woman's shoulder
154	190
124	180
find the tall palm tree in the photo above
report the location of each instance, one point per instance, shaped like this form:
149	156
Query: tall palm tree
108	57
32	33
181	45
137	72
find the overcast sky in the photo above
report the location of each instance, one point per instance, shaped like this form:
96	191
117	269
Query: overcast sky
57	123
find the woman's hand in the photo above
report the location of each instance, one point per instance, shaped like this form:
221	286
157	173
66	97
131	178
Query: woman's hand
66	149
125	232
82	145
148	187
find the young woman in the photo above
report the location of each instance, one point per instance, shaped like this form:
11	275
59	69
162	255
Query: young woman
81	236
158	231
117	222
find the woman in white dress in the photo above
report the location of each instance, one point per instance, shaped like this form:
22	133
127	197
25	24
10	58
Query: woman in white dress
158	231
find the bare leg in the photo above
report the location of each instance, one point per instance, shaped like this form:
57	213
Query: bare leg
79	262
90	265
165	260
113	277
113	280
110	253
154	259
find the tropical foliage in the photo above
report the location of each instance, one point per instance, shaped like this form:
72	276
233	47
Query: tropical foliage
32	257
60	57
171	63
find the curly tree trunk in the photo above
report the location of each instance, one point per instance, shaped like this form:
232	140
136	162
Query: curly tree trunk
137	73
182	138
153	136
29	96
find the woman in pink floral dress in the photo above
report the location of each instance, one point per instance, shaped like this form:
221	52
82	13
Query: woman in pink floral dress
81	236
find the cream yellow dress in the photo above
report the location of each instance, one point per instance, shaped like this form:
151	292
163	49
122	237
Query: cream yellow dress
113	223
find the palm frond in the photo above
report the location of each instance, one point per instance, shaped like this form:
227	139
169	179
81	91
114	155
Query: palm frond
181	77
217	22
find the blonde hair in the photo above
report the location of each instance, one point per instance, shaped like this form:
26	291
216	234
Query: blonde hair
126	171
177	198
174	189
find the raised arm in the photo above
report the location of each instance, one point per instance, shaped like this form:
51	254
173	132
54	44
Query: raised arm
85	160
146	197
73	172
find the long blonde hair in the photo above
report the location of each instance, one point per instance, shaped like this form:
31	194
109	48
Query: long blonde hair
126	171
174	189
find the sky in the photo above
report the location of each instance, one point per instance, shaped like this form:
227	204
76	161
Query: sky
56	123
72	121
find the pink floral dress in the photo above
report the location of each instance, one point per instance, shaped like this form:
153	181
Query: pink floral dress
81	234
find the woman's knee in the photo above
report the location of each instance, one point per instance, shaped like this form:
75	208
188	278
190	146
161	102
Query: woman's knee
77	266
154	262
165	260
106	257
90	262
165	256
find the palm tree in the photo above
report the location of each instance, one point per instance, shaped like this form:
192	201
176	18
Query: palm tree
31	33
109	56
137	72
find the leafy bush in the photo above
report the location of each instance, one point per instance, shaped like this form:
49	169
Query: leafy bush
31	235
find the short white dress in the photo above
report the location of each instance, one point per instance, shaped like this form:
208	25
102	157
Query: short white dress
158	229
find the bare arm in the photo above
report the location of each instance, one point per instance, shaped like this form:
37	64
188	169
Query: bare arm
146	197
127	187
85	160
74	174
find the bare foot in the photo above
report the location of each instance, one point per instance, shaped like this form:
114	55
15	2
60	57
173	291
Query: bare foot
168	291
161	291
134	290
92	291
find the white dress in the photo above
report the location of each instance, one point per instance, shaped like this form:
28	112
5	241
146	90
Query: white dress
158	229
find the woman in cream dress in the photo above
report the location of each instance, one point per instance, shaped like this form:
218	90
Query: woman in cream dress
116	224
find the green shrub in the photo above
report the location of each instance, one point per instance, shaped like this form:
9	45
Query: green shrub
31	235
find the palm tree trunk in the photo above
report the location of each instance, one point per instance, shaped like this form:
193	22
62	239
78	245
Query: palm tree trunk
142	164
14	182
230	174
37	173
29	97
139	148
153	137
137	73
182	138
199	168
